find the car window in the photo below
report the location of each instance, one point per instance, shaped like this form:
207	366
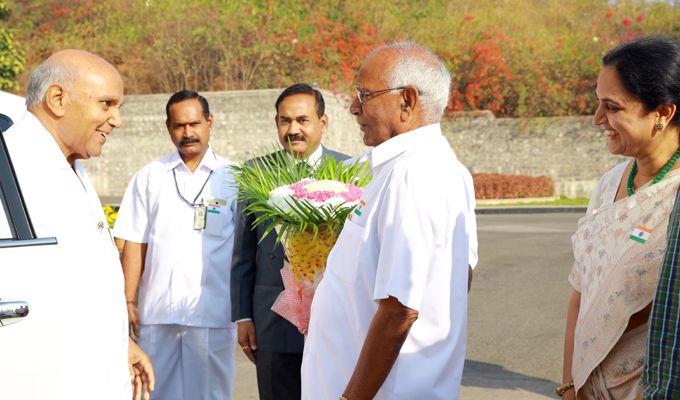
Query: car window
5	231
15	224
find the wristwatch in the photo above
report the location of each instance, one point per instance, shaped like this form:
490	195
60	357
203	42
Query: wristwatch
563	388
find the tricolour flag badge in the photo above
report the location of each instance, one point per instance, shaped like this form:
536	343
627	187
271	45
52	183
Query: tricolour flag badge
357	210
640	234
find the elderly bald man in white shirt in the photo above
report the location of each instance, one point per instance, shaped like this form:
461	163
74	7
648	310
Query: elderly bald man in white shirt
388	319
74	100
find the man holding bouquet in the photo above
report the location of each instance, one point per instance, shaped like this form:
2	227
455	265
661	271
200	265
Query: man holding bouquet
388	319
267	339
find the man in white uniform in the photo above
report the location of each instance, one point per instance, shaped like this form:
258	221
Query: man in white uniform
177	218
74	99
389	317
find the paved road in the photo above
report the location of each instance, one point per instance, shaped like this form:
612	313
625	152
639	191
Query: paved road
516	311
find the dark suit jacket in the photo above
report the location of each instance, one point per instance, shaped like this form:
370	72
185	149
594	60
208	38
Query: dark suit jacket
256	282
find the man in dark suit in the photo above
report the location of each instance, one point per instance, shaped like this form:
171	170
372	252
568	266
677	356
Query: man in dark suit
268	340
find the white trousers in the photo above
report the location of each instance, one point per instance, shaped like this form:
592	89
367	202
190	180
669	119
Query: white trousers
190	362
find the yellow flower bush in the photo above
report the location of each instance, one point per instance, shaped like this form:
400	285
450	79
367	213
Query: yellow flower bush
111	215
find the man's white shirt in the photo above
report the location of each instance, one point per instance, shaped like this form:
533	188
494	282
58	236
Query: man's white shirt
314	158
472	205
409	238
92	347
186	274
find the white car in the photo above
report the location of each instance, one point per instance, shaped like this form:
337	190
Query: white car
30	303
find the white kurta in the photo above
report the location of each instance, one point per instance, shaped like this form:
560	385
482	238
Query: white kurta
62	203
408	238
186	271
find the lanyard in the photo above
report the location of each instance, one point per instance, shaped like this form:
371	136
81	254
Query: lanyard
192	204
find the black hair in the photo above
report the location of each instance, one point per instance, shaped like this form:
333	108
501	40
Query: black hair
187	95
304	89
649	68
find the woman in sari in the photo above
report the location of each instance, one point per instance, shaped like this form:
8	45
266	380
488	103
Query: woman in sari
619	243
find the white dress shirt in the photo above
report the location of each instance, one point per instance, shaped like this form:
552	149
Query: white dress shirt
472	205
313	158
408	238
91	340
186	273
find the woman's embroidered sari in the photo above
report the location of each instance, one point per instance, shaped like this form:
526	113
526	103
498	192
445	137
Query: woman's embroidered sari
618	249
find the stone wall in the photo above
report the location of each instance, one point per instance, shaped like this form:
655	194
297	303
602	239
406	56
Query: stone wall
567	149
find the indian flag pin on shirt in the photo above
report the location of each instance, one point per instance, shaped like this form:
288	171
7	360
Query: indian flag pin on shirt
640	234
358	210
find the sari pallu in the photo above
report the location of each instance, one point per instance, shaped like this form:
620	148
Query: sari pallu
617	277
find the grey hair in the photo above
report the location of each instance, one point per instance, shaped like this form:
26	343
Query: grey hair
46	74
418	67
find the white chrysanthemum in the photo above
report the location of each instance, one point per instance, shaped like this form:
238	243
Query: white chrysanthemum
280	197
336	201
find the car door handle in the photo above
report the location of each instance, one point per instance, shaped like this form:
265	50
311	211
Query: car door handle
12	311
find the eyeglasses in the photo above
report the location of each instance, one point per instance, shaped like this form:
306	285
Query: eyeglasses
365	95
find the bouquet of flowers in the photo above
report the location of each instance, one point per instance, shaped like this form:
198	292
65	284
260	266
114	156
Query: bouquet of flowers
306	207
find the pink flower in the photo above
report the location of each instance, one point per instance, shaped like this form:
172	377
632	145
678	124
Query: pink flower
640	18
627	21
351	194
468	17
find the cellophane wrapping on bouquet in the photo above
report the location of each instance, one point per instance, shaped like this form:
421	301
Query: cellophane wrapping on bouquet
306	254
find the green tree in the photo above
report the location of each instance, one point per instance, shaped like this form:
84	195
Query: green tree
11	57
516	58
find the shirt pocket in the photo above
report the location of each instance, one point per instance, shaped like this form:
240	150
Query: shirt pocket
343	261
216	219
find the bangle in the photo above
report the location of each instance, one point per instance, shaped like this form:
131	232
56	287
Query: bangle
563	388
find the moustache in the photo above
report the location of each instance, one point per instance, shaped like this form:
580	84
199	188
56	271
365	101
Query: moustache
294	138
189	140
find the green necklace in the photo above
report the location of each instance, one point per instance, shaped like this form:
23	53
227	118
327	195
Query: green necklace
664	171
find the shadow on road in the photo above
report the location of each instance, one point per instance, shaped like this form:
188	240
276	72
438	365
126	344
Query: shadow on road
494	376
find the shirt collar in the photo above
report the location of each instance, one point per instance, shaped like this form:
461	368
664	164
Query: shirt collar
393	147
315	157
45	146
209	161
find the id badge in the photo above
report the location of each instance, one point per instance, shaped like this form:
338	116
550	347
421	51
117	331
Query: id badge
199	217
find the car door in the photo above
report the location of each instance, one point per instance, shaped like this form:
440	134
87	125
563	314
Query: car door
29	297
